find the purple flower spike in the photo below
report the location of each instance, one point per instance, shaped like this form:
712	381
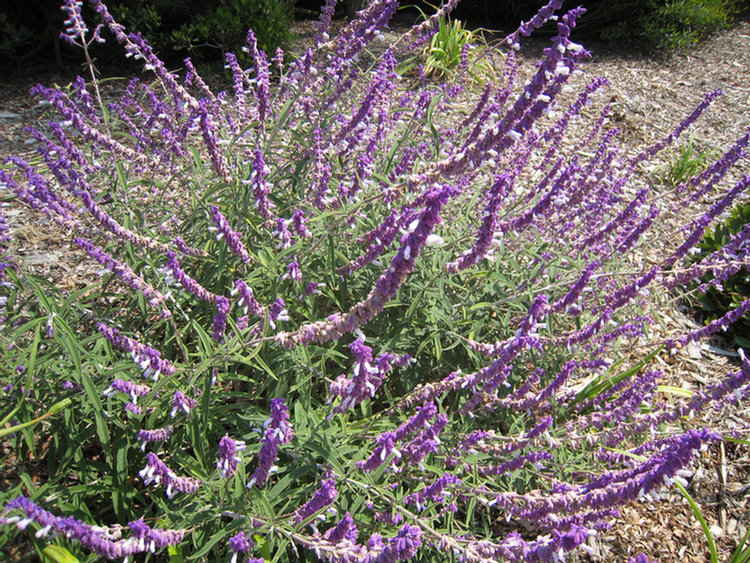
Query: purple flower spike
277	431
76	27
100	540
401	547
232	238
346	529
175	274
486	232
322	498
293	272
133	389
368	377
147	358
126	274
182	402
156	471
261	188
246	299
228	456
220	319
158	435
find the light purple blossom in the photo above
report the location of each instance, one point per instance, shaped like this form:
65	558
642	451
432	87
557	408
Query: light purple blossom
103	541
126	274
156	471
368	376
232	238
156	435
277	431
229	456
241	543
149	360
181	402
135	390
323	497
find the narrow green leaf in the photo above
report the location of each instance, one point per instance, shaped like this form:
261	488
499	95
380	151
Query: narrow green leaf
175	554
704	525
58	554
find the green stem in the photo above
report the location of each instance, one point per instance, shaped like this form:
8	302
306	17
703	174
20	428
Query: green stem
704	525
57	407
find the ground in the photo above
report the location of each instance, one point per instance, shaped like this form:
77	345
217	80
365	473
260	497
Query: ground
649	94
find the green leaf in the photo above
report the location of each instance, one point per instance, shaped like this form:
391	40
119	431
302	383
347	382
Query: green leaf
175	554
58	554
704	525
263	546
674	390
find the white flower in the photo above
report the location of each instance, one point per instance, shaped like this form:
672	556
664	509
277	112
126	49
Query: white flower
434	240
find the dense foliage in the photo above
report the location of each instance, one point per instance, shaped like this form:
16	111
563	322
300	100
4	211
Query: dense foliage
332	316
668	24
725	283
206	30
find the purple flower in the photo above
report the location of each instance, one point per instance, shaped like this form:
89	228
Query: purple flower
322	498
260	186
277	431
368	377
239	543
539	19
228	456
246	299
387	284
344	530
156	471
436	492
101	540
182	402
76	27
232	238
157	435
220	319
423	442
489	226
293	272
175	274
147	358
133	389
126	274
403	546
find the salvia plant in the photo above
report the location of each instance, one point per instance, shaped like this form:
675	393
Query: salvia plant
334	318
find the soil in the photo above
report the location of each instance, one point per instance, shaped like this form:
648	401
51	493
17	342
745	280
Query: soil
649	94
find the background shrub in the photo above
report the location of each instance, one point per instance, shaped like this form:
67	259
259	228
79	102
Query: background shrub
720	294
204	30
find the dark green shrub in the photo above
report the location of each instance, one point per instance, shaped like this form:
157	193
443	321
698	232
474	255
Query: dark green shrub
680	23
666	23
714	303
29	30
207	30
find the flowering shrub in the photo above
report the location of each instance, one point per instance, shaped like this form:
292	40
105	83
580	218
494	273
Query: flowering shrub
331	326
